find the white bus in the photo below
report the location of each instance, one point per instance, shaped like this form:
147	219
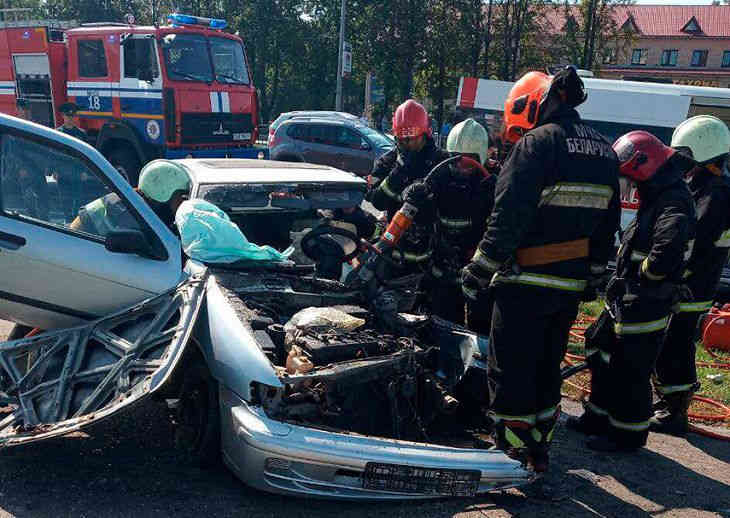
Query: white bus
613	107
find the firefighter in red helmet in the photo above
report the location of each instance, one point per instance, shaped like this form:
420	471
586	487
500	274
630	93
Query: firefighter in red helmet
412	159
623	345
550	234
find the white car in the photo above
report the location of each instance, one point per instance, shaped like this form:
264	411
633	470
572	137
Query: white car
389	410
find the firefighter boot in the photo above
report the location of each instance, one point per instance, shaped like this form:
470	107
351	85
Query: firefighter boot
516	439
671	418
545	428
590	423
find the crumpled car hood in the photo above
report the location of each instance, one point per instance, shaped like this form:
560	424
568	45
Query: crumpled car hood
61	381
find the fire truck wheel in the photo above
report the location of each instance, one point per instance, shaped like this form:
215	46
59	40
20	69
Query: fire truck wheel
126	162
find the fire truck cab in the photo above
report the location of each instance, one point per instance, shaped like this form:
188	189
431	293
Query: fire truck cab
142	92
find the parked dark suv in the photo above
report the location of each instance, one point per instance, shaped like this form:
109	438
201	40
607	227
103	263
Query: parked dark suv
338	142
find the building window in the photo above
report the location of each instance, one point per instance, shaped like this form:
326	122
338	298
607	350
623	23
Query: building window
669	57
638	56
699	58
609	56
726	59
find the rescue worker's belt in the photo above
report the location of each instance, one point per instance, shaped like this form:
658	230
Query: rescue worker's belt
552	253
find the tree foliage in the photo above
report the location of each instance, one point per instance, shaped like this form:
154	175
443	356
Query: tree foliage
413	47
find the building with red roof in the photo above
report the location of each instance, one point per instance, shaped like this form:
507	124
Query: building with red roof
670	43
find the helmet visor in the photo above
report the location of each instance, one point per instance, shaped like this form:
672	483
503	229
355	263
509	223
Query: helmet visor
625	150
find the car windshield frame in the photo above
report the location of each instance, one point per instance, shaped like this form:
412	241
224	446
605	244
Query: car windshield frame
198	61
291	194
379	140
240	64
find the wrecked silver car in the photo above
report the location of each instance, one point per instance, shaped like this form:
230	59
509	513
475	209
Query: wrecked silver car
304	385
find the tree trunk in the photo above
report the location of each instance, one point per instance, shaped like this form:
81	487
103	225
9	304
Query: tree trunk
488	38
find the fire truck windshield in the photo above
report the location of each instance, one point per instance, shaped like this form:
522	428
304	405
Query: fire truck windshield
187	57
228	61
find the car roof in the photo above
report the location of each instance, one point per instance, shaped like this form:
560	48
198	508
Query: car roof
242	170
318	113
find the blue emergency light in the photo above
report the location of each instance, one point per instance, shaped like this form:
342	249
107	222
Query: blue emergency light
186	19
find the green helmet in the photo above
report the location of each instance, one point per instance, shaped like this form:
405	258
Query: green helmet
706	136
161	179
469	137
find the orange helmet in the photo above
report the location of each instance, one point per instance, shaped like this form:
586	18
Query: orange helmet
526	101
522	106
410	120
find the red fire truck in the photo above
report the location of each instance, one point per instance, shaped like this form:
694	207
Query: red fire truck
171	91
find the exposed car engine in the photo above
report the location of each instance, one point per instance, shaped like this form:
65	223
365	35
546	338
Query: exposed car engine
408	384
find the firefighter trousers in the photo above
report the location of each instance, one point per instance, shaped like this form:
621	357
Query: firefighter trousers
530	328
447	300
621	369
675	368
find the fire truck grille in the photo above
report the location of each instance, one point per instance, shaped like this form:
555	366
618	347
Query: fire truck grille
210	128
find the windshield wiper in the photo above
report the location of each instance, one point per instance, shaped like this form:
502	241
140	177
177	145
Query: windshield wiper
226	76
186	75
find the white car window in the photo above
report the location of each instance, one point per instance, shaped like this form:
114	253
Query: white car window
42	183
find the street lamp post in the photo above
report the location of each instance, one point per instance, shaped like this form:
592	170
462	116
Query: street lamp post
338	95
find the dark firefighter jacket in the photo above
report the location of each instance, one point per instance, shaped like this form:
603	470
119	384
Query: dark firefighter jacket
459	211
395	170
556	205
392	173
712	237
655	246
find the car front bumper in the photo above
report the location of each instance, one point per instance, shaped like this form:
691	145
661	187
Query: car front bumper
296	460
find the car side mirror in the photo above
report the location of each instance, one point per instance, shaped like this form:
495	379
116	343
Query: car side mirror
128	242
364	146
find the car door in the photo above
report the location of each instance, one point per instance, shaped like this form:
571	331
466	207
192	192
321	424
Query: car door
322	142
356	153
55	274
140	86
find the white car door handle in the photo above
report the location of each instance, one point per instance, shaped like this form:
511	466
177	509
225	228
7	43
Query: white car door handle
11	241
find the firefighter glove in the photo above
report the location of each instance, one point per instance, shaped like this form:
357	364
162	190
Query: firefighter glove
417	194
474	280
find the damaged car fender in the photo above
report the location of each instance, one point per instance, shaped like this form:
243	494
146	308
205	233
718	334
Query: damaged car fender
229	346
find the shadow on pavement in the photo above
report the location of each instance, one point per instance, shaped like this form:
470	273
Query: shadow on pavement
129	467
713	447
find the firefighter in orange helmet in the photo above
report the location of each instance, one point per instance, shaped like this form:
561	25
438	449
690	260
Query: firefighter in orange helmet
549	237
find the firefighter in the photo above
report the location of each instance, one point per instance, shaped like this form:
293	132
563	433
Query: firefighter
550	236
70	181
640	295
707	140
413	157
457	199
164	185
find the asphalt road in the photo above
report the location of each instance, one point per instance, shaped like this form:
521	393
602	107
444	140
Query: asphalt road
128	466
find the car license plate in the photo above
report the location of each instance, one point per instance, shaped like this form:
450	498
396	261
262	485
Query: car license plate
413	479
241	136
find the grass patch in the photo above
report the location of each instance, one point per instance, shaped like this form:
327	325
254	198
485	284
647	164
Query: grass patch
719	391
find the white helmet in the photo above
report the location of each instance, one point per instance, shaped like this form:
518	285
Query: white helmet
469	137
161	179
706	136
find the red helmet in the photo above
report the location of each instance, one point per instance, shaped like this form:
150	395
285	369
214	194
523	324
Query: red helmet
641	155
410	120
